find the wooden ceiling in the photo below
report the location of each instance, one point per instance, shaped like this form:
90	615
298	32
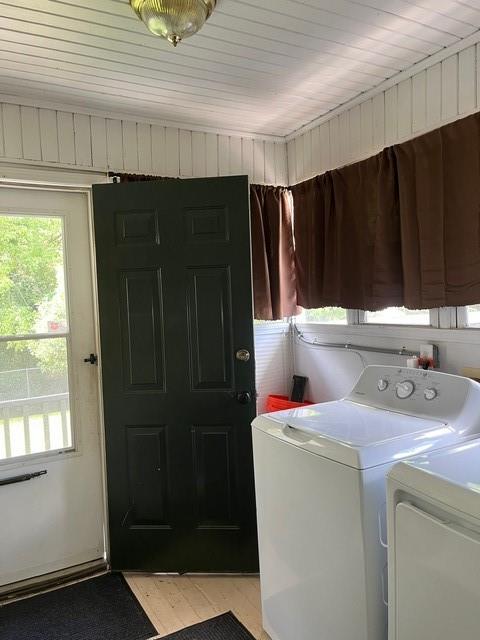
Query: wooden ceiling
258	66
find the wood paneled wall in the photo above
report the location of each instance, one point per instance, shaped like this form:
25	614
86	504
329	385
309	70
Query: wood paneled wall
55	137
438	94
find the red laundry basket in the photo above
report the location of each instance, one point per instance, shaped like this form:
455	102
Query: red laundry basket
280	403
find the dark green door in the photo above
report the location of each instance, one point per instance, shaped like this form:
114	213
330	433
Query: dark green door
174	285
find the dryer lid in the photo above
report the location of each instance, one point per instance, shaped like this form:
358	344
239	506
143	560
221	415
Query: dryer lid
356	435
450	476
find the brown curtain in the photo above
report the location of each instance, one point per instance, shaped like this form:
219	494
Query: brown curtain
347	237
272	253
439	197
272	248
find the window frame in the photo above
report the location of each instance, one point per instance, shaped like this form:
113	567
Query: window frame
440	318
72	449
433	321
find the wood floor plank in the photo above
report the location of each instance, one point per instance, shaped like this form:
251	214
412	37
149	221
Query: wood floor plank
227	596
175	602
182	613
142	587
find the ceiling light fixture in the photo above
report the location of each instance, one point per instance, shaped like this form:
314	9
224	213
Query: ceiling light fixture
174	20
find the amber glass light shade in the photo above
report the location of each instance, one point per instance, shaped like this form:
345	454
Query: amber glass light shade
174	20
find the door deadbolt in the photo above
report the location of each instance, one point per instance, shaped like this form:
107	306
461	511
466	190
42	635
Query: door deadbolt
243	355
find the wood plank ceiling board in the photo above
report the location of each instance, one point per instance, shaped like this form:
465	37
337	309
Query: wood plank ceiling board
256	68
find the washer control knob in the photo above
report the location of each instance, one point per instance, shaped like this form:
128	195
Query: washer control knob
430	394
404	389
382	384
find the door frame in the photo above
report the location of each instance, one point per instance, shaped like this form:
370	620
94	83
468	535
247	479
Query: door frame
67	184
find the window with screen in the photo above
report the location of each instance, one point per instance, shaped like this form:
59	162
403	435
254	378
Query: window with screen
324	315
473	315
34	336
398	315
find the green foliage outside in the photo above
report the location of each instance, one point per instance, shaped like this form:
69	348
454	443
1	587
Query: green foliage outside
31	291
326	314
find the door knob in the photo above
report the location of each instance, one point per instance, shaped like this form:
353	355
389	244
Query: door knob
244	397
243	355
92	359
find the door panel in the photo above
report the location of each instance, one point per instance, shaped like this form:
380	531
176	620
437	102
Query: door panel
210	333
174	277
147	456
215	474
142	330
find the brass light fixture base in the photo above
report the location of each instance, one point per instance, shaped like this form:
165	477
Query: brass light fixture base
137	6
171	21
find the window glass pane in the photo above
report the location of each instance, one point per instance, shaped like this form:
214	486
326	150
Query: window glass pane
32	289
473	315
398	315
325	315
34	398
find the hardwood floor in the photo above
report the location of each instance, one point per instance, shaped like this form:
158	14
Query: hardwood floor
175	602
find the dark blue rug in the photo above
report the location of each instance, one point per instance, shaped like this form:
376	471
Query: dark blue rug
102	608
224	627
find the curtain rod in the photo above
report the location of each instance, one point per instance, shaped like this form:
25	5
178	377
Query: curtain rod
348	346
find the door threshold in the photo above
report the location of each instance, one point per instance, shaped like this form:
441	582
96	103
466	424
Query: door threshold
231	574
50	581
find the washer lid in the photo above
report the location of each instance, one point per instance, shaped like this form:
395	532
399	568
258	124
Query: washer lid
356	435
450	476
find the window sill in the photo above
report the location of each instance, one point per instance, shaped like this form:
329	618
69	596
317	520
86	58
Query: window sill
33	459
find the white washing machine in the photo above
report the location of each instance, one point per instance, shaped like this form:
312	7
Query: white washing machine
434	546
321	500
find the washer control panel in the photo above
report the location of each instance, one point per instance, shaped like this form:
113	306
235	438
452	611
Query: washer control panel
413	391
404	389
430	394
382	384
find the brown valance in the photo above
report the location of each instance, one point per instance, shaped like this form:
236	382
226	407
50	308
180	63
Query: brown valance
439	197
399	229
347	237
273	257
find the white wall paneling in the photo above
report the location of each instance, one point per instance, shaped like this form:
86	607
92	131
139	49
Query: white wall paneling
144	146
185	151
199	153
12	131
418	103
30	133
273	361
99	140
114	144
404	106
158	150
235	153
66	139
211	150
467	80
83	139
434	95
53	137
258	161
450	88
130	146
